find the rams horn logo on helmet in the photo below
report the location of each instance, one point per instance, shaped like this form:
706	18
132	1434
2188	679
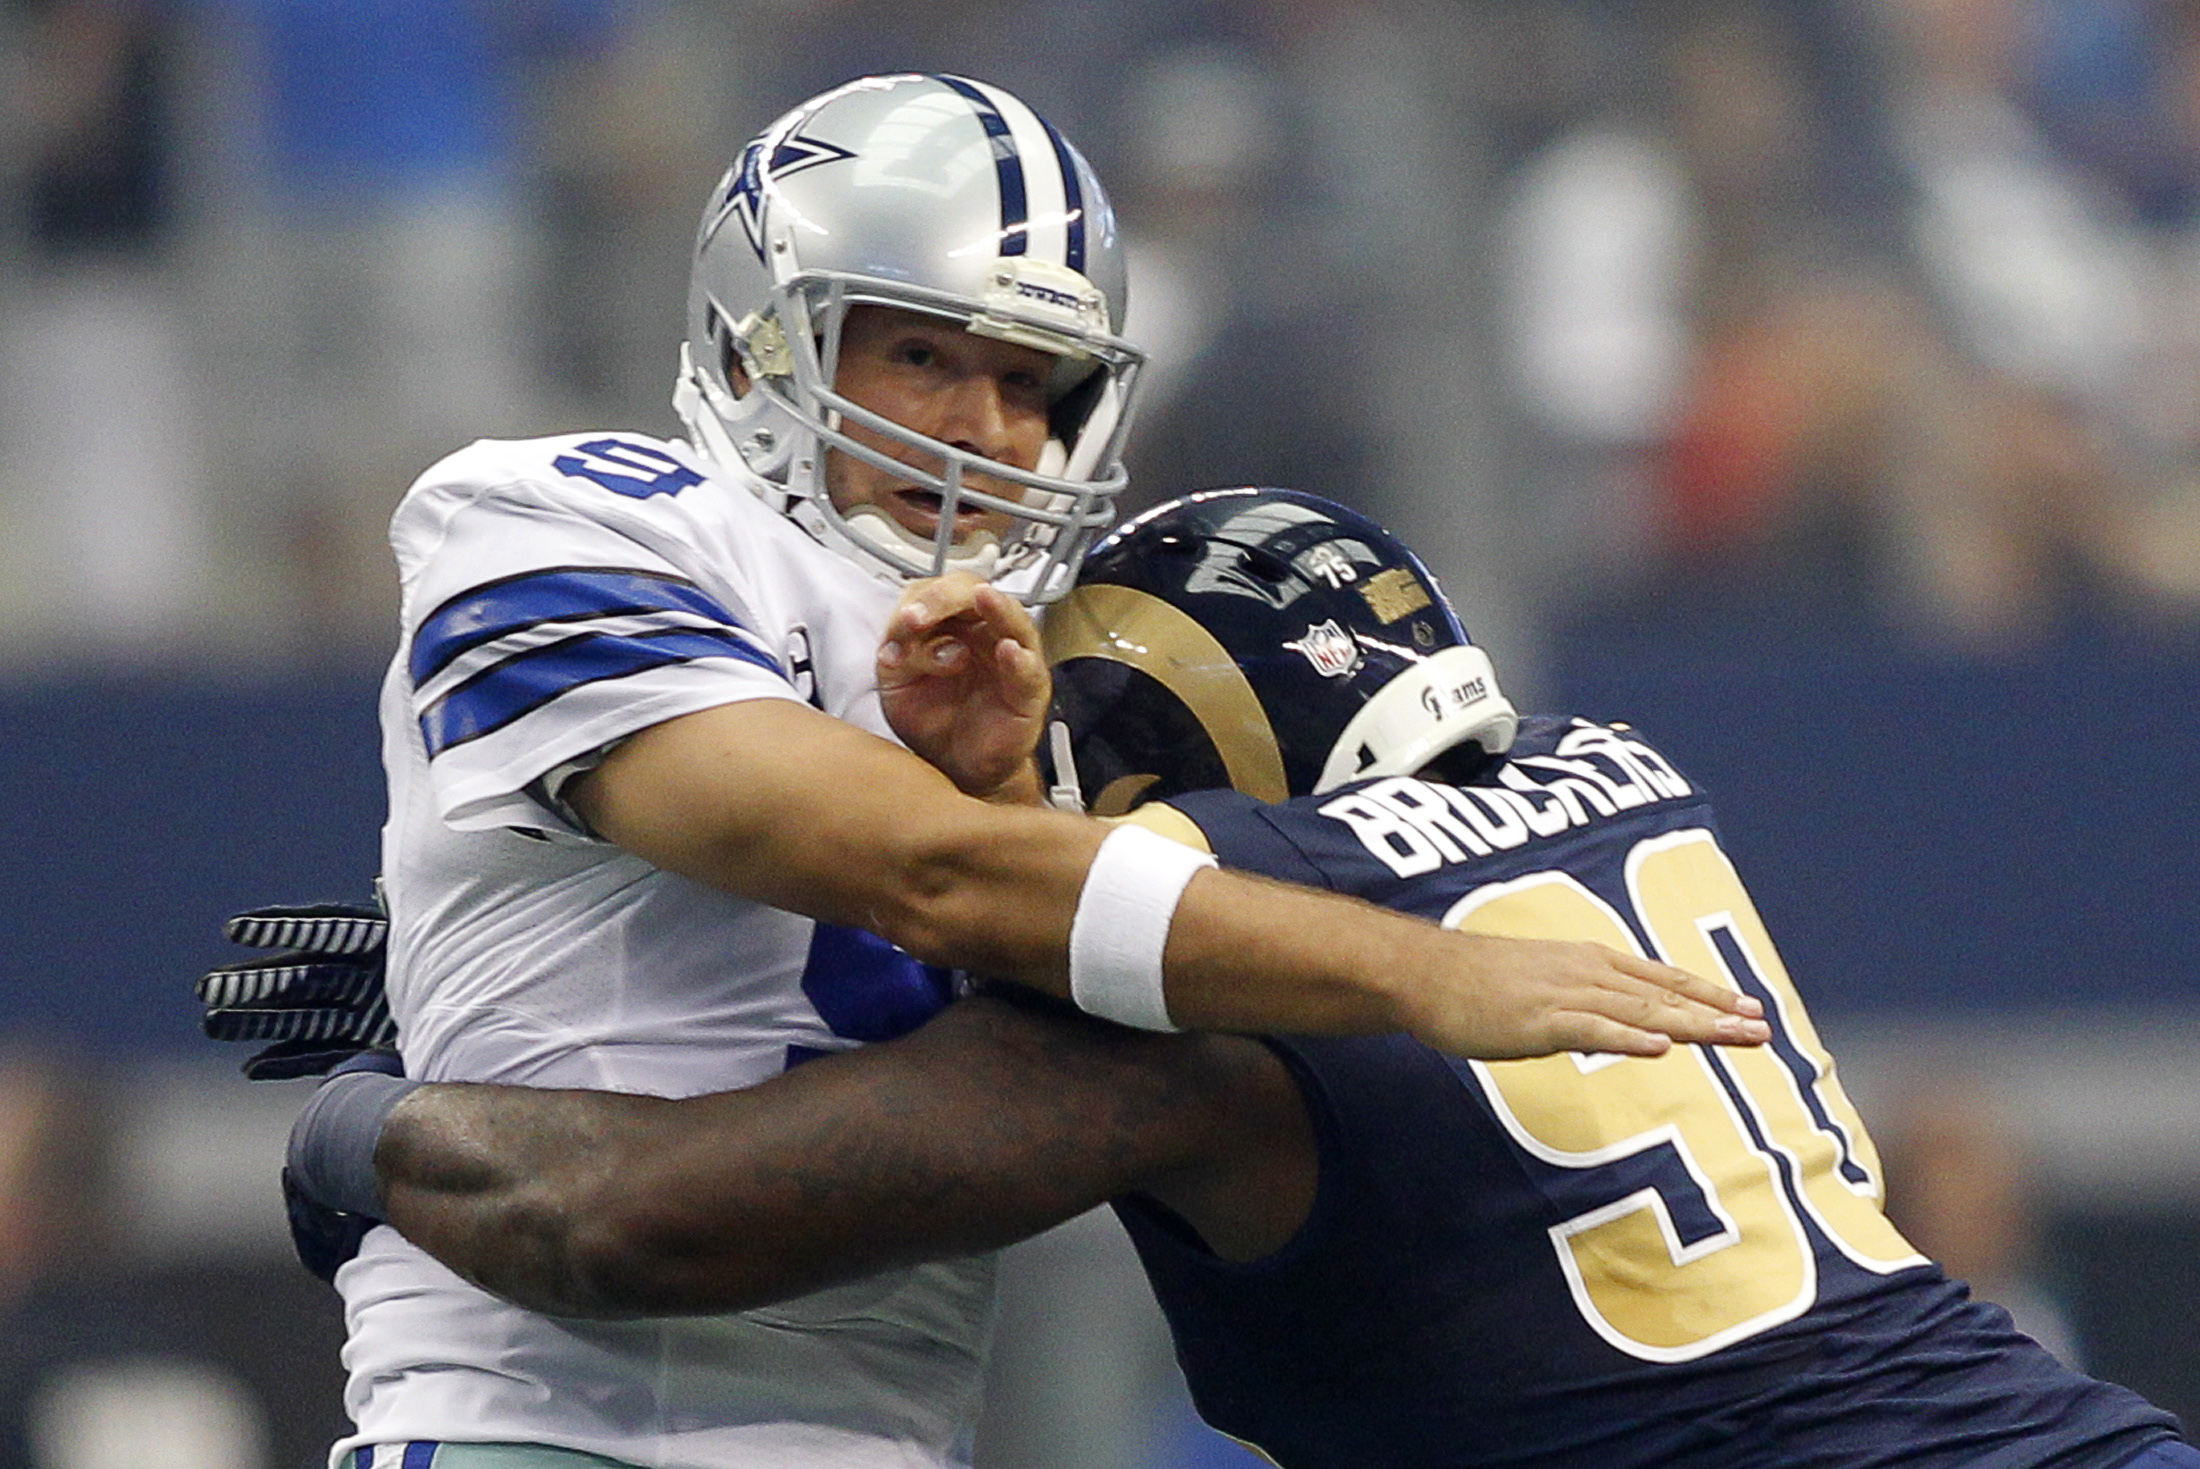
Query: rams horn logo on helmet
1180	660
1139	630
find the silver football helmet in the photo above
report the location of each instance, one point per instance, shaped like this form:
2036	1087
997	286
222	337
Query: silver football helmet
933	194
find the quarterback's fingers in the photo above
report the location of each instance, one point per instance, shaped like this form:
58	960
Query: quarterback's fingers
288	1060
1681	1018
921	643
1679	985
926	604
933	616
906	657
930	606
1653	1028
1026	681
298	979
328	928
312	1023
1601	1034
1005	617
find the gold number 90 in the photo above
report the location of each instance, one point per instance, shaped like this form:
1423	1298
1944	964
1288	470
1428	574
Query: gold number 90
1695	1171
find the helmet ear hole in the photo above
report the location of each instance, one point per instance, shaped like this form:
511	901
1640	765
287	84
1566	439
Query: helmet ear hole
729	359
718	332
1066	415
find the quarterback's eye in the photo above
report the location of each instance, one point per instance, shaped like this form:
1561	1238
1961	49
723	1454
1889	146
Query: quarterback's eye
1025	388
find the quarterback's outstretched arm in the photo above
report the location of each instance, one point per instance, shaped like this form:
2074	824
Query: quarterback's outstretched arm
777	802
998	1118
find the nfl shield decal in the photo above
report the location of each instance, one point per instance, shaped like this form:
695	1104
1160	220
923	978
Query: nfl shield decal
1329	648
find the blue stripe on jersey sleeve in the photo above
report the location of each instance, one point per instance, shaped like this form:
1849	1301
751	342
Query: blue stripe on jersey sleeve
566	594
524	682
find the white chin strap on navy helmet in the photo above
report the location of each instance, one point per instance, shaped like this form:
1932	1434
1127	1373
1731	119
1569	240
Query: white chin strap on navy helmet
936	195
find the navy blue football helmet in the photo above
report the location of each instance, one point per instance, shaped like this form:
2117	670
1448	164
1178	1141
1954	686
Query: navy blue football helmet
1261	639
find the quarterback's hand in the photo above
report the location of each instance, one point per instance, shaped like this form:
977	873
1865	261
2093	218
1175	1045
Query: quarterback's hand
963	683
1516	997
318	999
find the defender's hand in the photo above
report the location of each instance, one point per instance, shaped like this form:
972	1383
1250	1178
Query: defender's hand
964	685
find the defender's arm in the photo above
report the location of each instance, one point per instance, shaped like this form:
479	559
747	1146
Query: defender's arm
999	1118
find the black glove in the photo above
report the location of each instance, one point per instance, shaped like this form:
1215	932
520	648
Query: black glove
320	999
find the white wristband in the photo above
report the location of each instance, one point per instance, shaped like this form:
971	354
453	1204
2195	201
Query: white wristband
1122	925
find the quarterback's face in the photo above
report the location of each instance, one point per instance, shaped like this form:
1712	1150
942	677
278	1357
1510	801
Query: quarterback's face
980	395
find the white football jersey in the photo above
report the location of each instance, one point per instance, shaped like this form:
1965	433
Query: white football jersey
558	595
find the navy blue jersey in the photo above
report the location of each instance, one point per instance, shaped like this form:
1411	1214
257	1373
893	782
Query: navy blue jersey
1599	1262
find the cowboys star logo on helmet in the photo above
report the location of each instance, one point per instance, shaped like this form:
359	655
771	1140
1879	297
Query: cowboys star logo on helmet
789	155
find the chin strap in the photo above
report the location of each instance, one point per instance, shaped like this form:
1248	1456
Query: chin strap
764	459
1066	794
979	555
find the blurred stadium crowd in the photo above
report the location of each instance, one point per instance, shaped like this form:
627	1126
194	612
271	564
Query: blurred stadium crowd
1890	296
1638	317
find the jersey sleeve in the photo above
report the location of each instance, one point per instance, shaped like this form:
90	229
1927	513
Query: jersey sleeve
543	628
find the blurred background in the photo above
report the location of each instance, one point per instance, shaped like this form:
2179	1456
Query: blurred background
1814	384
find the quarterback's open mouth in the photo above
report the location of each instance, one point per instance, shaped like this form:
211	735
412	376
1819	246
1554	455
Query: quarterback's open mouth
919	510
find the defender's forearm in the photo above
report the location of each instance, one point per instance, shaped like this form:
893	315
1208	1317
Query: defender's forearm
995	1121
